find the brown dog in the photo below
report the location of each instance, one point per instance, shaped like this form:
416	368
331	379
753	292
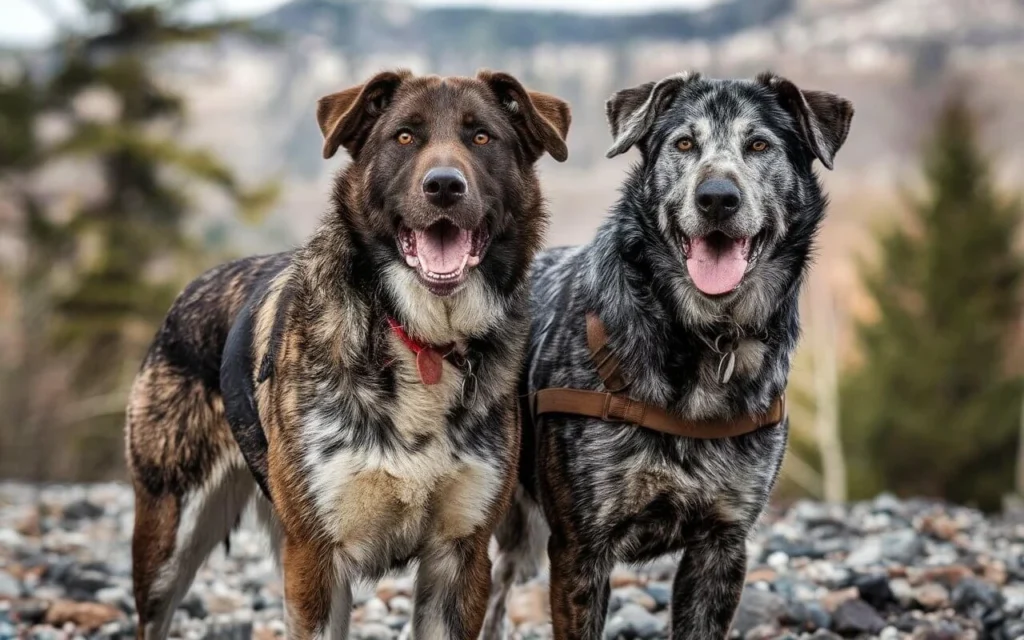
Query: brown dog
366	382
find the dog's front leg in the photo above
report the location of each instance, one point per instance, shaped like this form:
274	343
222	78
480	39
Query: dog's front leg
579	590
317	591
708	584
452	587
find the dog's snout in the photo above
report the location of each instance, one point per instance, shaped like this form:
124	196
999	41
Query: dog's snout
718	198
444	186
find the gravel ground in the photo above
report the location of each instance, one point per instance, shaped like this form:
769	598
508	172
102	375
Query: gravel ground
882	569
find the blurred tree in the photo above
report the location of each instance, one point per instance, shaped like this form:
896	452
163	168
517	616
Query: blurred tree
934	408
125	249
27	309
815	465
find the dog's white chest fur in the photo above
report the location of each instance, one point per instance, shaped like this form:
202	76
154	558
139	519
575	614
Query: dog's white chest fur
385	502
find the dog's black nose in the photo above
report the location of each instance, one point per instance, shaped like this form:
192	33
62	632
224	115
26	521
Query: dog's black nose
444	186
718	198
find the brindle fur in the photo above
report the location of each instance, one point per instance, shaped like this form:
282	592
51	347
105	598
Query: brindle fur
613	492
281	373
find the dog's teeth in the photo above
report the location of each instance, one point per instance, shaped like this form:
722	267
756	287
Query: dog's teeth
455	275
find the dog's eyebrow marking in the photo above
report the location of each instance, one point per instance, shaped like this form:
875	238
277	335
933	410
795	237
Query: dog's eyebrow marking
469	119
683	130
700	127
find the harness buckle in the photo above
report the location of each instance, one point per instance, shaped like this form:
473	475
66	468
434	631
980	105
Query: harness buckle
606	413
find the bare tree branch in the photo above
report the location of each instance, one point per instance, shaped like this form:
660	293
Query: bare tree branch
826	385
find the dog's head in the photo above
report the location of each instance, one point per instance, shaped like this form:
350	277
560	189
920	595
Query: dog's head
442	168
728	166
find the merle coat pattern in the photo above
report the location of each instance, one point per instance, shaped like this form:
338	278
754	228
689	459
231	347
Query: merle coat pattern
283	373
613	492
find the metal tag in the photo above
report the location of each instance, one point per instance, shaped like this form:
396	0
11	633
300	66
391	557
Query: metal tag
726	366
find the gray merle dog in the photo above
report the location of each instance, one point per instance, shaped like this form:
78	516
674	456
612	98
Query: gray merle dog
694	279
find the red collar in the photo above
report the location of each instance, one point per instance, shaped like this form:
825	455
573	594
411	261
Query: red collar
429	358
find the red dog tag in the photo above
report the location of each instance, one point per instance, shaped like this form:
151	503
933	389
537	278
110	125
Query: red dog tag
430	364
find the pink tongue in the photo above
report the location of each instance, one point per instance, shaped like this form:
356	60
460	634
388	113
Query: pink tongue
443	248
716	269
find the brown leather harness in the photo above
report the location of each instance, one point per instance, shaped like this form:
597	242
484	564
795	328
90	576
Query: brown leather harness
613	405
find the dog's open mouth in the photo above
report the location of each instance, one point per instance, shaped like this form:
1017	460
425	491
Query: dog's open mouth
442	254
717	262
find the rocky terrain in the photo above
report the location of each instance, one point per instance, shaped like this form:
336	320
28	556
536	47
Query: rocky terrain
882	569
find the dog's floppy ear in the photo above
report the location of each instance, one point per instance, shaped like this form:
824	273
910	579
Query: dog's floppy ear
823	118
540	118
346	117
632	112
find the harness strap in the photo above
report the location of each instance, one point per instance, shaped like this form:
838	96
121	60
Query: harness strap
614	406
605	361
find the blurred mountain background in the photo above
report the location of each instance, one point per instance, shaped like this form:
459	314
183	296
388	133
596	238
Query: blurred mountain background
247	95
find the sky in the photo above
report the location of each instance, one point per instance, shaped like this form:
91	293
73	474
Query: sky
25	22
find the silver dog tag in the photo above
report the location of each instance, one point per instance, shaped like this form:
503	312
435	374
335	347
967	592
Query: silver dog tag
726	366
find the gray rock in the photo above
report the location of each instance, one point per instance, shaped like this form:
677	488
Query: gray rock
230	629
902	546
807	616
1014	629
874	589
10	539
633	621
887	503
374	631
116	597
82	510
631	594
758	607
975	598
763	632
902	591
194	606
866	554
83	584
662	594
401	605
10	587
375	610
856	616
265	600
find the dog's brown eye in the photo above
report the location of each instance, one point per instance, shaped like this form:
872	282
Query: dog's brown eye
758	145
685	144
481	137
404	138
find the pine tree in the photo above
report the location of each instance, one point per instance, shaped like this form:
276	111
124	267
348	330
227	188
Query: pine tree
935	405
112	265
